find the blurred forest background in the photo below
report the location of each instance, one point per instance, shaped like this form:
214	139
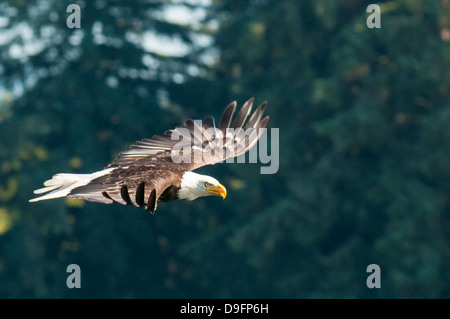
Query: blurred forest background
363	116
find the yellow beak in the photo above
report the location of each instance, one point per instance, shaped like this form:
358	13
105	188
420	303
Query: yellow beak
218	190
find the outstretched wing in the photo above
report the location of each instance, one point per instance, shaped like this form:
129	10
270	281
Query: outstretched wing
198	143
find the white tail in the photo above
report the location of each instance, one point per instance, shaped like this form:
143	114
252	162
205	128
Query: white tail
62	184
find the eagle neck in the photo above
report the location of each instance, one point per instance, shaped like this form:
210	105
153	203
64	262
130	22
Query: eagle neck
189	186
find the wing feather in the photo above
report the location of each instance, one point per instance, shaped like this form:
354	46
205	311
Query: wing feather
229	139
227	115
244	112
238	138
209	122
256	115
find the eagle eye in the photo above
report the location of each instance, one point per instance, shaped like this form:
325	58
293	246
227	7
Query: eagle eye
207	184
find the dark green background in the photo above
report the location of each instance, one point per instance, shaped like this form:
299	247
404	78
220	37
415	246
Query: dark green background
364	177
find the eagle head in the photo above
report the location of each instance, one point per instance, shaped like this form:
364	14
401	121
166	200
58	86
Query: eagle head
195	185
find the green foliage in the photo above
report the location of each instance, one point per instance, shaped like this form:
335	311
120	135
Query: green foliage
363	117
361	111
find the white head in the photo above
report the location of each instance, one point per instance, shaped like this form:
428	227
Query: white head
195	185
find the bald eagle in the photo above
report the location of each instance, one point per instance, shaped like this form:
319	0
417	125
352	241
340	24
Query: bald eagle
160	169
